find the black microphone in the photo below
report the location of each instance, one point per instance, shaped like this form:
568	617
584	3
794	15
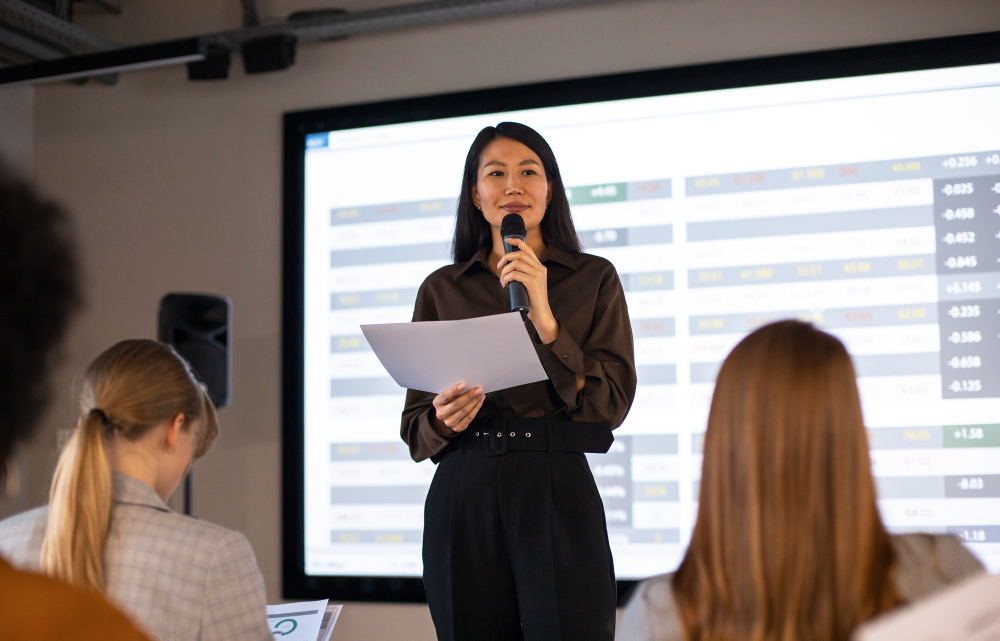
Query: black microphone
512	226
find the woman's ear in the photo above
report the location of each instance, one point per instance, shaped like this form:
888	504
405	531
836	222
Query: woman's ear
548	196
173	431
474	192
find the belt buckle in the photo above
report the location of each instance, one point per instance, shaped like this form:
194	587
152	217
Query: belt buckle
502	435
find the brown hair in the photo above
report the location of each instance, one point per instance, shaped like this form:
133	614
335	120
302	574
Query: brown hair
788	544
136	384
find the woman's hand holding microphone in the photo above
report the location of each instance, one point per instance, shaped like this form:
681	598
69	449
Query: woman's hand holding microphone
524	267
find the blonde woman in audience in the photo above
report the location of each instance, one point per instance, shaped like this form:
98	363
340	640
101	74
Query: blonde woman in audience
107	529
788	543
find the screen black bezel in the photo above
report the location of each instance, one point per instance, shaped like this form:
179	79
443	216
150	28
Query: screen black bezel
955	51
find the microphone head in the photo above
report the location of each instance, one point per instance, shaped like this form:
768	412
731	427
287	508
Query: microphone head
513	225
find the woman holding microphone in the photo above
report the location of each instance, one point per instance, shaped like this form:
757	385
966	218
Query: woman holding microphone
515	542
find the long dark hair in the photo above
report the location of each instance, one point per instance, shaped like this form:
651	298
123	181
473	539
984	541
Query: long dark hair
472	232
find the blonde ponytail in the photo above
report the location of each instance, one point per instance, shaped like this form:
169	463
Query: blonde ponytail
80	508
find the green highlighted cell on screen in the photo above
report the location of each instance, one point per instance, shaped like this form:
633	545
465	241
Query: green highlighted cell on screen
971	435
591	194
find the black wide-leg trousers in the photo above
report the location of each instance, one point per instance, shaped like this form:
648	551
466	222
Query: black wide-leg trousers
516	548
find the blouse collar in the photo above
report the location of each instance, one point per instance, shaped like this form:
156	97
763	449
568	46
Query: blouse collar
550	254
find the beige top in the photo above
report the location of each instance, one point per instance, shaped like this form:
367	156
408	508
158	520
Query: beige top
181	579
924	564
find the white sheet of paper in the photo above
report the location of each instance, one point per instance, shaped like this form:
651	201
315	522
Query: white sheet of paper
492	352
296	621
969	611
330	620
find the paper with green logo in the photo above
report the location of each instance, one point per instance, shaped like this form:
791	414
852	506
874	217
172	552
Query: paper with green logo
304	621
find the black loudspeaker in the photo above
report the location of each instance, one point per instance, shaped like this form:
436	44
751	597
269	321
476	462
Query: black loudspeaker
215	66
197	325
272	53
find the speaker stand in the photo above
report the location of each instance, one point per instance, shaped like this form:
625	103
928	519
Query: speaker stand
188	491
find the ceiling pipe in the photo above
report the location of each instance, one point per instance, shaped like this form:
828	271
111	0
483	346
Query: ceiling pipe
34	49
408	16
51	29
27	45
250	16
44	36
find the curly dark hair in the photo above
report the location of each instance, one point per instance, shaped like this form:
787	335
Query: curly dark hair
39	292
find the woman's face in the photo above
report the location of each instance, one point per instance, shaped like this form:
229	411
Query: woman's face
511	180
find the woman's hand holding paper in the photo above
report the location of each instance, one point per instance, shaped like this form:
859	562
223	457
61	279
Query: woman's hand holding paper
455	408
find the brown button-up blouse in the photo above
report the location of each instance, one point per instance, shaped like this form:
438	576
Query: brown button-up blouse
595	340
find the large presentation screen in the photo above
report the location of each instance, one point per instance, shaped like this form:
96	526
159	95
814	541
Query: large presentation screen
867	205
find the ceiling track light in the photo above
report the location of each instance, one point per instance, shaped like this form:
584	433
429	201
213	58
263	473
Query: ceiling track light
106	62
215	66
272	53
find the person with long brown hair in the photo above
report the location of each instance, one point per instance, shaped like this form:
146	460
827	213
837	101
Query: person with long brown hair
788	544
144	420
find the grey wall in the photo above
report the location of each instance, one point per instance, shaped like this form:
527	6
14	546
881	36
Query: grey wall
17	117
177	186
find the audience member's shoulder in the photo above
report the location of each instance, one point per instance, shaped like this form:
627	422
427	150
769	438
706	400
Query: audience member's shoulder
651	613
39	607
223	538
179	526
24	522
926	563
21	534
189	540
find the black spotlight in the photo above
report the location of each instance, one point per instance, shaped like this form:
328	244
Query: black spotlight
273	53
215	66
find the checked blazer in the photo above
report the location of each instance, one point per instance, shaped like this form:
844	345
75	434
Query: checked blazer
176	577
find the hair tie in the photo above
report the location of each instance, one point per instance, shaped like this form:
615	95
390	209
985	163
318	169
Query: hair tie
101	415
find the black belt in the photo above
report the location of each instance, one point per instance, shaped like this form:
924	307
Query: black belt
497	436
